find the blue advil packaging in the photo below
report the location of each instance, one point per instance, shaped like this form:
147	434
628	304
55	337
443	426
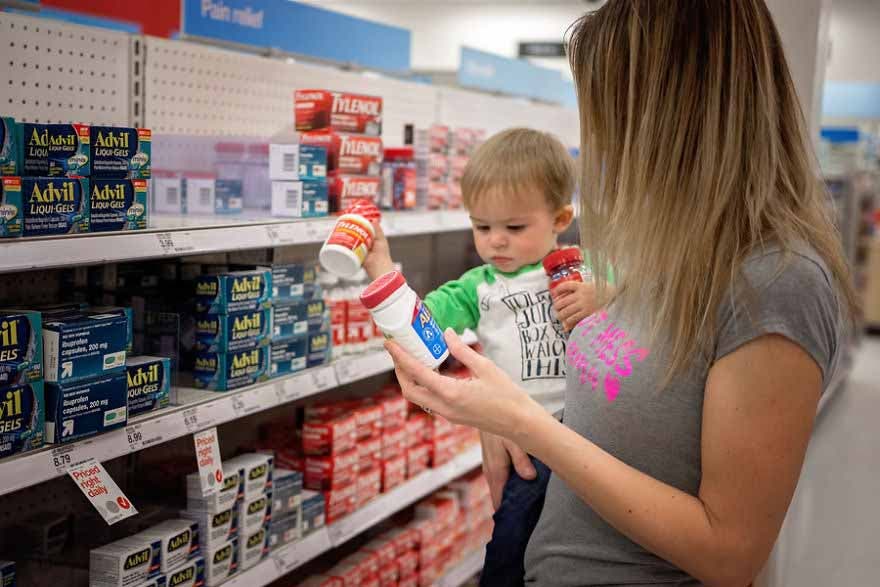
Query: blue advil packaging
296	318
78	410
55	205
21	347
83	345
237	331
22	416
118	204
10	148
289	356
11	206
226	371
7	574
292	282
121	153
237	291
149	383
55	150
320	347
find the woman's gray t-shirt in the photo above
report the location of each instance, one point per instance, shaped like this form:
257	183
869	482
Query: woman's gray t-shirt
612	398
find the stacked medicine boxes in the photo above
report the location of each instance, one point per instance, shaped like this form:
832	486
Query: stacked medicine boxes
235	520
63	179
233	328
349	127
169	553
299	180
22	400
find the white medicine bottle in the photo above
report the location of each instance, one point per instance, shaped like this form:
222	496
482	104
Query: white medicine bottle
402	316
351	239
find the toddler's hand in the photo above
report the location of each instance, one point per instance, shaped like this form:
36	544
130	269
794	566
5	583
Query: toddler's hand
378	261
574	301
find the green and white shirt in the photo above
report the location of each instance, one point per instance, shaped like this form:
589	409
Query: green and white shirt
514	319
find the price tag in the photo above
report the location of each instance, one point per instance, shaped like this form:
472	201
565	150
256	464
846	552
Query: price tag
323	379
286	234
100	489
238	405
135	437
175	242
208	457
191	419
62	458
272	234
250	402
347	370
315	231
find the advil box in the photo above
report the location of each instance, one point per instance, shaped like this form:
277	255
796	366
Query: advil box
53	206
22	413
123	153
317	109
118	204
10	146
11	205
21	347
348	153
55	150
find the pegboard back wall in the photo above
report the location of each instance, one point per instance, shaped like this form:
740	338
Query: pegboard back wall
193	89
54	72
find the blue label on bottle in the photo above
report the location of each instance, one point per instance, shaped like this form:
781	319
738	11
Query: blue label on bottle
426	328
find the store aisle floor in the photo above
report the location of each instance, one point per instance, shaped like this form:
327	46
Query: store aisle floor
830	535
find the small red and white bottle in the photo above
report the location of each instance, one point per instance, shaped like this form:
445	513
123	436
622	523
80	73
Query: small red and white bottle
351	239
402	316
566	265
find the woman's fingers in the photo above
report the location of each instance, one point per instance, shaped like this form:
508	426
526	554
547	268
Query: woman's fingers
521	461
496	466
468	357
414	369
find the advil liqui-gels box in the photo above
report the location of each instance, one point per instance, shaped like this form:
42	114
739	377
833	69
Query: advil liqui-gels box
295	318
237	291
125	563
10	146
238	331
78	410
357	113
55	150
226	371
121	153
84	345
149	383
22	414
21	347
54	205
11	206
118	204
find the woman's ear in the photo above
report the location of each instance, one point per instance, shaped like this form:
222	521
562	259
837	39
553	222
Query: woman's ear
563	219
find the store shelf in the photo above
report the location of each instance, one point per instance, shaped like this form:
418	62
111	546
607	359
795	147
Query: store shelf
292	556
198	410
174	236
464	570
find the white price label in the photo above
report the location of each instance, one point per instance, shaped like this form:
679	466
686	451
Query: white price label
315	231
100	489
135	437
238	405
250	402
286	234
175	242
323	379
341	531
191	419
62	458
208	457
272	234
347	370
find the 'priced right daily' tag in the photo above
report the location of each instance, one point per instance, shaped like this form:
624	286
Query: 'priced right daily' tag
100	489
208	457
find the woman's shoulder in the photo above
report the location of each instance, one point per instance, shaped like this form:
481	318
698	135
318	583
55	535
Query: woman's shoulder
795	270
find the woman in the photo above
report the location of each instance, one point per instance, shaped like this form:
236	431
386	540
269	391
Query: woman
691	396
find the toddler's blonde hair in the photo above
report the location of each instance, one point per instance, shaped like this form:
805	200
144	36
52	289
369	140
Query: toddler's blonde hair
520	159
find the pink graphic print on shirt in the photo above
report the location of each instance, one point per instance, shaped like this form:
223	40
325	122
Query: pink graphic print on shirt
603	354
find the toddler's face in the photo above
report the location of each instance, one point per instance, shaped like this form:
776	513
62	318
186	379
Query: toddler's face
521	232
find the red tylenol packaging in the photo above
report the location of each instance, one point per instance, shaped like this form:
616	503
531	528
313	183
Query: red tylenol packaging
405	540
399	179
321	437
384	549
438	195
288	458
393	473
367	562
393	442
328	409
331	472
322	581
370	453
347	153
409	580
351	239
344	191
359	325
389	575
417	459
394	410
370	581
338	503
443	450
369	420
408	562
369	486
565	265
317	109
415	430
442	508
348	574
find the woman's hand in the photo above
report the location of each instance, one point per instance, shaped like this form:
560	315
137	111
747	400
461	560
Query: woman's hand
378	261
489	400
574	301
498	455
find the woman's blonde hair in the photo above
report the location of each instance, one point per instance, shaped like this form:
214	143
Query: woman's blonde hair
694	154
518	159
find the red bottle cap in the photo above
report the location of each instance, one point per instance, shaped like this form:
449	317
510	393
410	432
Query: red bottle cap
566	256
378	291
